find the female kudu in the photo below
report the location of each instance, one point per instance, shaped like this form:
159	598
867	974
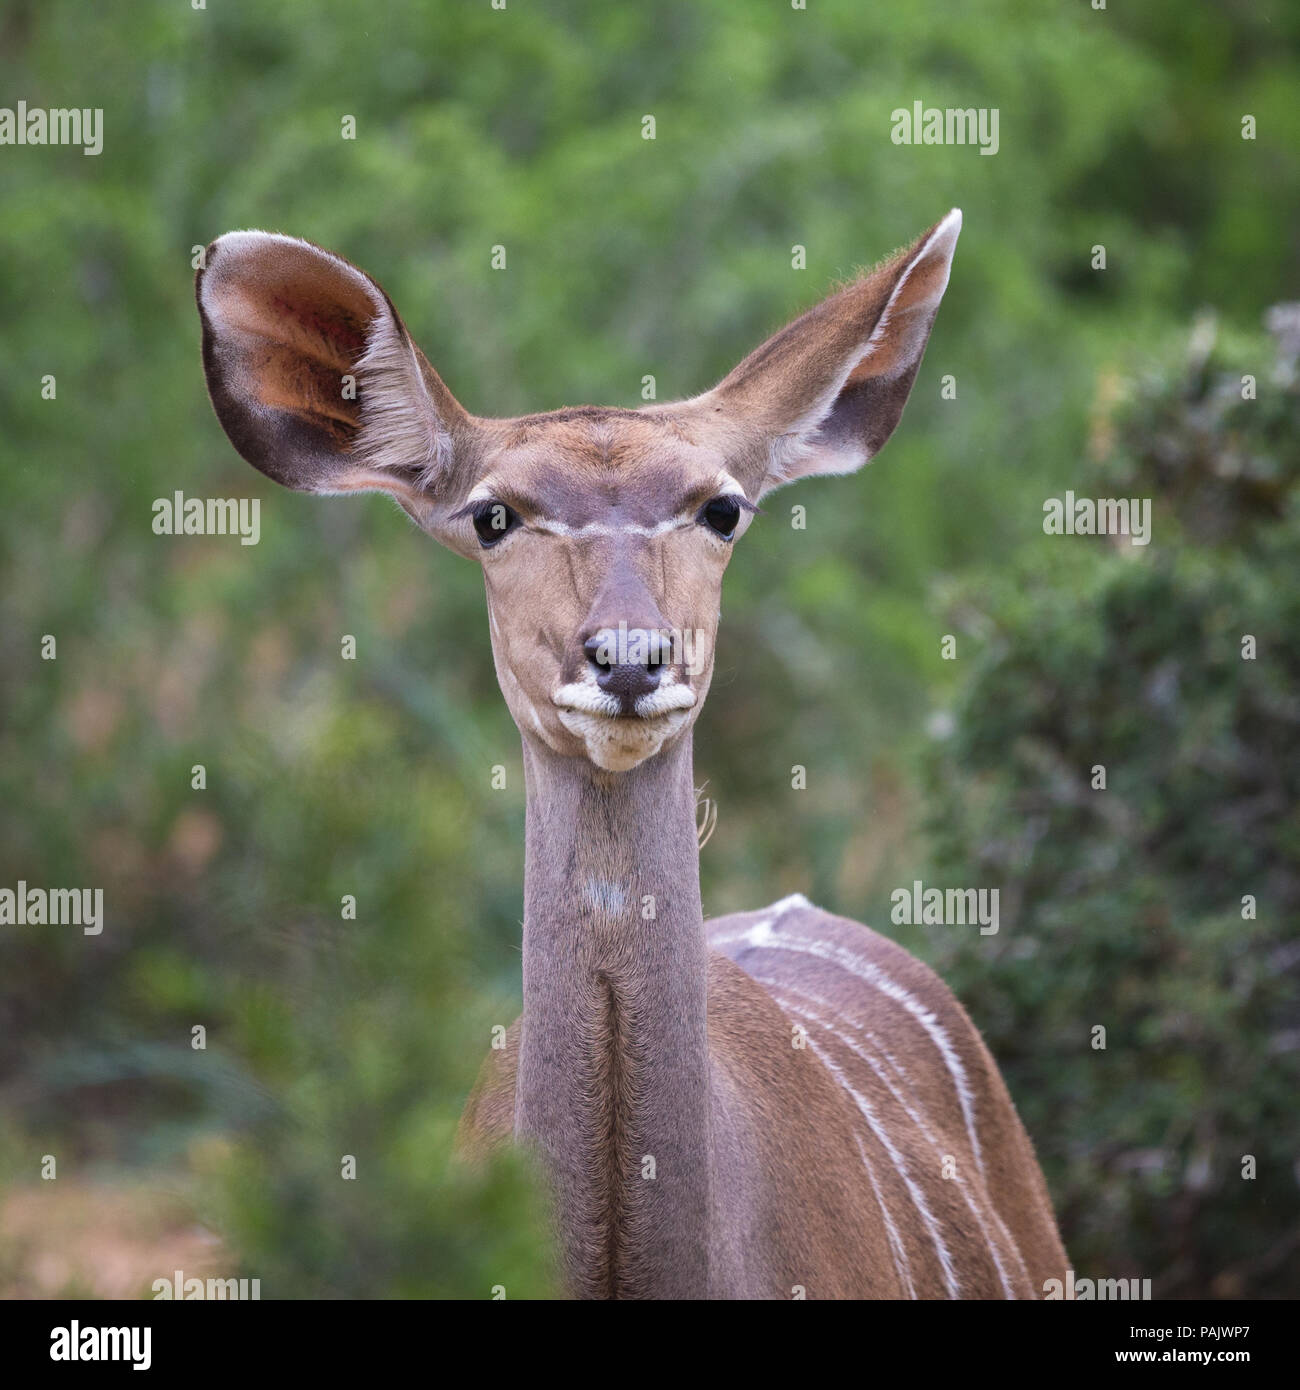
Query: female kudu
774	1104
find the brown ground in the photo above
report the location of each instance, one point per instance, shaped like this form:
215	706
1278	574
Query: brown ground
64	1239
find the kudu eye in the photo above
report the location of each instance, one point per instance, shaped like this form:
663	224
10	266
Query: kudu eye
493	521
721	515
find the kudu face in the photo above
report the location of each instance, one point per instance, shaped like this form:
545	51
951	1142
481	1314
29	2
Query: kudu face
603	533
603	536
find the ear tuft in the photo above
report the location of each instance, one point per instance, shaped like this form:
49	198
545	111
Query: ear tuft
399	428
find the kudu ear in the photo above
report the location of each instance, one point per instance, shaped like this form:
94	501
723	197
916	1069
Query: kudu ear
825	393
313	375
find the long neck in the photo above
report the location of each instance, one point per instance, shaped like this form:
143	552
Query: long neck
613	1067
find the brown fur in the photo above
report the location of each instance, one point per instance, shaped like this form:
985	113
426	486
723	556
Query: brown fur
788	1105
803	1126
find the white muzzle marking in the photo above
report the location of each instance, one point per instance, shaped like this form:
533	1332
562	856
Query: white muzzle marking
615	742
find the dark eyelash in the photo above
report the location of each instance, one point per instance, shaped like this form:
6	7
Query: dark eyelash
468	510
743	503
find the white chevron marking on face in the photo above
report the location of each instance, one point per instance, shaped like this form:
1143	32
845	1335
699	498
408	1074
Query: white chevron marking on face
487	490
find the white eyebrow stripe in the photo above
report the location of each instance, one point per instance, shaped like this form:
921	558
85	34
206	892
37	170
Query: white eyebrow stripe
725	484
605	528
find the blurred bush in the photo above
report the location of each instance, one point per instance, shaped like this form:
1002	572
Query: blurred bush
1166	907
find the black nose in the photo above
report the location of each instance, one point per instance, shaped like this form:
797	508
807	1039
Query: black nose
627	663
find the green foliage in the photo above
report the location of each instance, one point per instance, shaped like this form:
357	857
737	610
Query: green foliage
626	257
1164	907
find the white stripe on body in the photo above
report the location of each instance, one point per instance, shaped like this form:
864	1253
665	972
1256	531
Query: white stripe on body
917	1119
761	936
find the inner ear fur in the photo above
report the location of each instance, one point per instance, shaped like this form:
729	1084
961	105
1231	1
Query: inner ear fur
825	393
312	373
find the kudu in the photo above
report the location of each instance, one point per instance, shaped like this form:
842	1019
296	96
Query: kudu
769	1104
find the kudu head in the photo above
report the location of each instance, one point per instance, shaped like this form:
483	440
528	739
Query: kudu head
603	533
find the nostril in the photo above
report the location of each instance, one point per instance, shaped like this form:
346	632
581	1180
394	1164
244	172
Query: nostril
598	650
606	648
